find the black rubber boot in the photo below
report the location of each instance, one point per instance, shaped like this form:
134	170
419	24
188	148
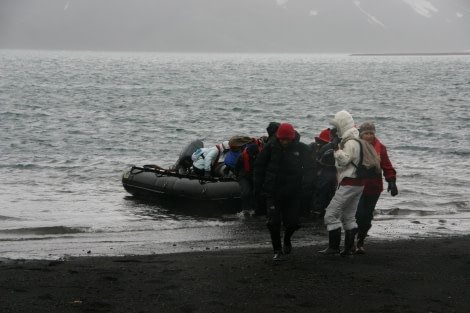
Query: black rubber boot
361	236
349	238
276	240
334	238
287	243
277	247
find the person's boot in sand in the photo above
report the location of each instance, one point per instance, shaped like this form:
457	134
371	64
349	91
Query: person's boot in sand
361	237
334	239
349	238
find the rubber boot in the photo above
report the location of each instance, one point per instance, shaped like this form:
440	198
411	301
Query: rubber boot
277	247
361	236
349	237
334	238
287	243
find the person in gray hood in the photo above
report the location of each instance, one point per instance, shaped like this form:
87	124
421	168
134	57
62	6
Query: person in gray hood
341	211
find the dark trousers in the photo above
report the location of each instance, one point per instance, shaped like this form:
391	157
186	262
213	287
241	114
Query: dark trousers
365	212
282	209
246	193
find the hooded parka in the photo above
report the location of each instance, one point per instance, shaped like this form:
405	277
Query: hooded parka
350	149
342	208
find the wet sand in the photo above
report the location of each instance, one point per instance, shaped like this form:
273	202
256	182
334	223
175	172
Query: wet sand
425	275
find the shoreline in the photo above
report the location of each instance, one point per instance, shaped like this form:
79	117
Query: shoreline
411	54
413	275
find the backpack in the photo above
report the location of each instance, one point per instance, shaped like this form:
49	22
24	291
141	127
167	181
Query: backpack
198	154
369	161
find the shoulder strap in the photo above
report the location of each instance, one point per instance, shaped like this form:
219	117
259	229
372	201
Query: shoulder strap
218	156
343	141
361	153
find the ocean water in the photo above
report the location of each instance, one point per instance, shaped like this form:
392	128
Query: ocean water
72	122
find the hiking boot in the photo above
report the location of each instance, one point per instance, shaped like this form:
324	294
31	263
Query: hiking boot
329	251
287	246
277	256
361	236
360	250
347	252
287	249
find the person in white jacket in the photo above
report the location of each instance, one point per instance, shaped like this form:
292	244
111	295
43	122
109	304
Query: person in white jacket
341	211
205	159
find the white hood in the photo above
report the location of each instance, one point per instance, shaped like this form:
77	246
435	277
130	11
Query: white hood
344	123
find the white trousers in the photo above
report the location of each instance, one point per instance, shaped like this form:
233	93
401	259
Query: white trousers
342	208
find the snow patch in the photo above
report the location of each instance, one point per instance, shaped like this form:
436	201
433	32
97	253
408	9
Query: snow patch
370	18
422	7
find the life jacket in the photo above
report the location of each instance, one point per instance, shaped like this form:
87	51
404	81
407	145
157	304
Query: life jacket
259	143
247	157
246	161
218	156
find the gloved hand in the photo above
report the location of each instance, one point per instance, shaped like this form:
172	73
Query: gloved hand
334	132
392	187
335	142
332	145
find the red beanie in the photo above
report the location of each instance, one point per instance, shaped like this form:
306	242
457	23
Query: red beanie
286	130
324	136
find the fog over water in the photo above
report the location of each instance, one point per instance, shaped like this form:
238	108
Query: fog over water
306	26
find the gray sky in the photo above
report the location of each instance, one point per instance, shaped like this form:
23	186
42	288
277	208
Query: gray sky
316	26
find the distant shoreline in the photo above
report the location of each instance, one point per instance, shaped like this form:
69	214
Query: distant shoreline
410	54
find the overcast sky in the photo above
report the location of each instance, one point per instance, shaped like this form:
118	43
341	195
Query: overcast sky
315	26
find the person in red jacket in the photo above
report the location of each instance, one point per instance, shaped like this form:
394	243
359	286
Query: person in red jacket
373	187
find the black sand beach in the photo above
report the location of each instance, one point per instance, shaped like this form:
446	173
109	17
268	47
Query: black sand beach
425	275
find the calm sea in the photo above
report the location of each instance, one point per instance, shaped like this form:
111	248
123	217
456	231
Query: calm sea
72	122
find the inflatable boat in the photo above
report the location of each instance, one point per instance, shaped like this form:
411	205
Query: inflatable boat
152	183
172	186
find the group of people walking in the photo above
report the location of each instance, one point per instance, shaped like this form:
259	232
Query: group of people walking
280	174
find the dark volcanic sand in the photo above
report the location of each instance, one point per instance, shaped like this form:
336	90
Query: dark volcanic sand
426	275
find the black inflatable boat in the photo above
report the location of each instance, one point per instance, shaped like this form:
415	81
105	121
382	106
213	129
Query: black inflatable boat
155	183
151	183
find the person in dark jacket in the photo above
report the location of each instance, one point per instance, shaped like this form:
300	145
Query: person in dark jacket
325	171
271	130
283	169
243	170
373	187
